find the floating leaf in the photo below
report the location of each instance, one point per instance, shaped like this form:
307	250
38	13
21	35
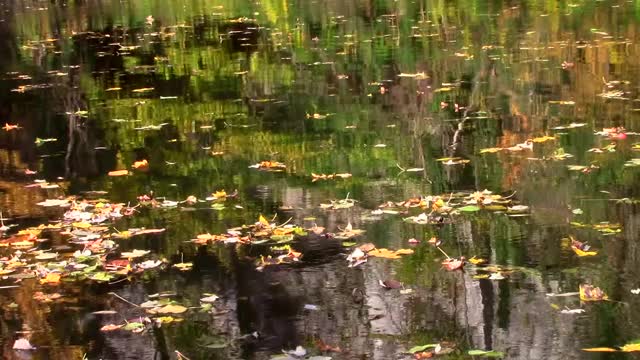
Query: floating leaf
118	172
210	299
141	165
183	266
591	293
421	348
582	253
469	208
453	264
51	278
600	349
490	353
111	327
477	261
169	309
132	326
134	254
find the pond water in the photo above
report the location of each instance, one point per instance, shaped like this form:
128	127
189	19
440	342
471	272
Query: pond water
503	130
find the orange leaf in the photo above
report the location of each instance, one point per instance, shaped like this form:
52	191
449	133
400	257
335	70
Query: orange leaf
142	164
110	327
118	173
453	264
51	278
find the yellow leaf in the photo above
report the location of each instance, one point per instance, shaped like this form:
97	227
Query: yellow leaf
142	90
583	253
600	349
490	150
631	347
384	253
591	293
81	225
543	139
476	261
263	221
169	309
404	252
51	278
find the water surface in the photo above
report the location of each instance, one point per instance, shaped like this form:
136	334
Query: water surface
205	89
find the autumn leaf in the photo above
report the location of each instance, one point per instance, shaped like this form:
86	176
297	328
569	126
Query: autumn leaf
183	266
490	150
263	221
600	349
134	254
477	261
453	264
542	139
169	309
582	253
383	253
51	278
110	327
591	293
631	347
580	248
9	127
118	173
141	165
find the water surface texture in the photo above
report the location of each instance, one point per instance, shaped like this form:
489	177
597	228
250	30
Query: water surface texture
506	130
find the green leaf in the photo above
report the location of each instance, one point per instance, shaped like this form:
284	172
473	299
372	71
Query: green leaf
486	353
101	276
299	231
469	208
133	326
421	348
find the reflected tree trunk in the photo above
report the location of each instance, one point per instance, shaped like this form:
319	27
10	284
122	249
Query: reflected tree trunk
80	158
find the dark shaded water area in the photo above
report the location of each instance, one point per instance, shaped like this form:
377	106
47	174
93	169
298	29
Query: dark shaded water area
536	102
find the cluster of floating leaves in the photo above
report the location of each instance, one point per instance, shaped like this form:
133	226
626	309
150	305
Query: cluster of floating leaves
90	252
437	208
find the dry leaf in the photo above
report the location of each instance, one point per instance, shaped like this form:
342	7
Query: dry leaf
591	293
51	278
118	173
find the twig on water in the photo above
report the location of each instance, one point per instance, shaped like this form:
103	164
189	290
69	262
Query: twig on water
181	355
123	299
442	251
